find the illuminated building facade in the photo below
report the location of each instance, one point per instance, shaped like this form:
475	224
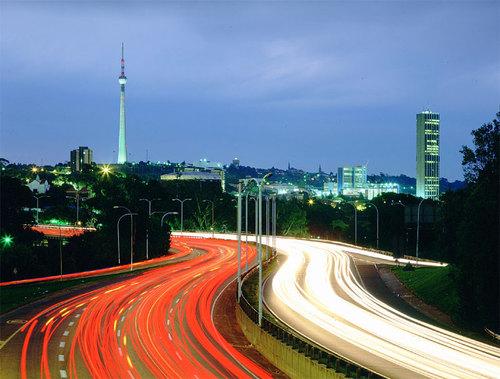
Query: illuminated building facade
79	158
428	154
354	177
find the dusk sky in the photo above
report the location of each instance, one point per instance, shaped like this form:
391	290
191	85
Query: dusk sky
271	83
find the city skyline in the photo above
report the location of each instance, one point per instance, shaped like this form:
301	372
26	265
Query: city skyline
208	87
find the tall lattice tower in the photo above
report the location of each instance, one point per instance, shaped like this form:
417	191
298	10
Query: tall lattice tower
122	139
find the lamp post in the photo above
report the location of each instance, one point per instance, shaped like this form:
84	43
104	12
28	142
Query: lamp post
38	206
258	232
273	198
355	222
60	253
129	213
118	235
256	206
376	208
260	183
246	232
213	214
267	227
182	211
165	215
147	228
238	223
418	223
77	195
418	227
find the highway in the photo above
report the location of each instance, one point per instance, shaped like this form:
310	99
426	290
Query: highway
317	292
155	324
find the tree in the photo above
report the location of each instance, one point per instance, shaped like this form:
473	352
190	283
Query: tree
471	229
292	219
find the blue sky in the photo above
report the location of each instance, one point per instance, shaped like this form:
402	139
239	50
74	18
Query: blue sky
330	83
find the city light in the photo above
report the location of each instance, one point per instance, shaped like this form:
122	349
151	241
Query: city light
7	240
55	221
310	202
105	170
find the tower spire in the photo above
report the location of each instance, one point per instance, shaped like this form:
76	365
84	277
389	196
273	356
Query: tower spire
123	61
122	139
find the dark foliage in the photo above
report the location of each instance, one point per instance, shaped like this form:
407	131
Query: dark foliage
470	238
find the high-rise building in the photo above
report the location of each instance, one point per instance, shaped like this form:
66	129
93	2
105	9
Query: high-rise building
428	154
354	177
122	140
79	158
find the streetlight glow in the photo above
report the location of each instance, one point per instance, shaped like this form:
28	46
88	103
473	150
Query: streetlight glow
7	240
105	170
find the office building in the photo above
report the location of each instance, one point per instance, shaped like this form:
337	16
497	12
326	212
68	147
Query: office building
428	154
80	158
354	177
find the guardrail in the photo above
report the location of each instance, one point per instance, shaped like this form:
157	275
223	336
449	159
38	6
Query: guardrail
312	351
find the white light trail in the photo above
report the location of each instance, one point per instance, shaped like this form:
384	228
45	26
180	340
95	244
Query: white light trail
316	292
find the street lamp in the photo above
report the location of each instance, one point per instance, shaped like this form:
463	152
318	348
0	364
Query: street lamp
182	211
355	222
273	198
213	214
129	213
256	203
267	227
165	215
77	195
376	208
418	226
37	205
149	221
260	183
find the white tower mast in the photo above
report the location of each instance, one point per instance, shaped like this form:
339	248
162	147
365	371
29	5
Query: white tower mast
122	139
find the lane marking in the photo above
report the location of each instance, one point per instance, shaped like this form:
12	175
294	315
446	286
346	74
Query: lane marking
71	323
178	355
63	374
16	322
62	344
60	358
119	332
66	333
4	342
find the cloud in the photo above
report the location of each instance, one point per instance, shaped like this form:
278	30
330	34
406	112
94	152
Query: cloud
233	59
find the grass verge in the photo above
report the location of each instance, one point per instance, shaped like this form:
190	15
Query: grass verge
434	285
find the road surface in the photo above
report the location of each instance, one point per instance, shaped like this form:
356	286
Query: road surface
317	292
156	324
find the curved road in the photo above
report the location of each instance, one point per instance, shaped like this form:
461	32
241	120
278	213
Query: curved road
317	292
156	324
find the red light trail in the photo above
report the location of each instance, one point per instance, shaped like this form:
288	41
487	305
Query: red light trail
156	324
